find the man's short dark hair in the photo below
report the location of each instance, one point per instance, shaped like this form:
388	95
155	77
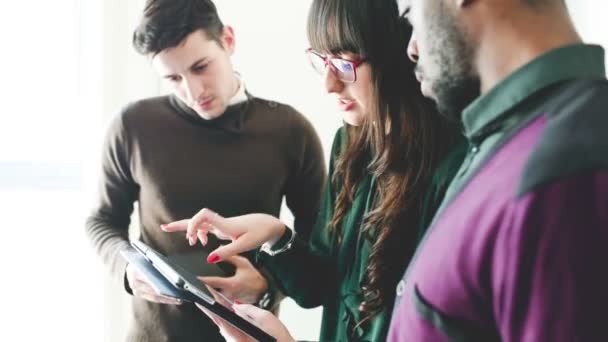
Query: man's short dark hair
165	23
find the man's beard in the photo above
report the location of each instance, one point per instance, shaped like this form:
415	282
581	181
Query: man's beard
455	94
457	84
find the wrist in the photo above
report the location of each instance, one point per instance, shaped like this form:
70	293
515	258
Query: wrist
265	301
264	293
282	244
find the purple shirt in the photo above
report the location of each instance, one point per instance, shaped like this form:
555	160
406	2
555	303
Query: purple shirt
501	265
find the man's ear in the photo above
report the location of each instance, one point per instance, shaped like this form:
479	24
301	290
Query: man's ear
228	42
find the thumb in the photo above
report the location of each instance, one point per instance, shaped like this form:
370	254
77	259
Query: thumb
252	313
215	282
239	261
230	250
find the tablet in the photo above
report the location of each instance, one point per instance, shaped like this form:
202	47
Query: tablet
174	280
156	279
196	263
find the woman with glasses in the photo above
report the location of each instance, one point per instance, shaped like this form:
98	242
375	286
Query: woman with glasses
388	169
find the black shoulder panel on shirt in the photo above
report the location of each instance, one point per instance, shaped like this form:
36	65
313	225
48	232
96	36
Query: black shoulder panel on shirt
575	138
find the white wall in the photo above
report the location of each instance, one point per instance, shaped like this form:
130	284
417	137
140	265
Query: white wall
271	39
590	20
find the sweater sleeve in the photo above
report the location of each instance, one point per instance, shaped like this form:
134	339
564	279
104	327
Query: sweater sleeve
549	271
307	271
304	186
107	225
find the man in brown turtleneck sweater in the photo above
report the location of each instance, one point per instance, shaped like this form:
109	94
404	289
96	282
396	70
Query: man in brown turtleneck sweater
209	144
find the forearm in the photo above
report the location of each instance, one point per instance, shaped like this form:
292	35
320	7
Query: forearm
304	188
108	240
107	227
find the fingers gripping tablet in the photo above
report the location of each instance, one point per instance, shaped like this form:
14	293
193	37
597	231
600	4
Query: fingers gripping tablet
173	280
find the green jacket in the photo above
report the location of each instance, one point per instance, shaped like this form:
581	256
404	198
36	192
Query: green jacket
322	272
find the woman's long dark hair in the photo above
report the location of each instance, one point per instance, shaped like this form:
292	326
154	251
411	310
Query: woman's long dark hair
402	131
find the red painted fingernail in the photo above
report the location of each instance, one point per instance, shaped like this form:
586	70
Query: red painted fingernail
237	302
213	258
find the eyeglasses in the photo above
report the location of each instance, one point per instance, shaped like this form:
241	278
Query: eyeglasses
345	70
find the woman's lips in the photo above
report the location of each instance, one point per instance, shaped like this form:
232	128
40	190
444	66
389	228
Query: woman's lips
346	105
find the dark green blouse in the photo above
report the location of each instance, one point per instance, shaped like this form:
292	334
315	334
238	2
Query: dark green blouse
321	272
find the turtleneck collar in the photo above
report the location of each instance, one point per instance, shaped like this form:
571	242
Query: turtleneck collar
241	93
231	120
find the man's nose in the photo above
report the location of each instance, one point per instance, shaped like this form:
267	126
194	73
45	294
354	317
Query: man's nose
412	49
194	88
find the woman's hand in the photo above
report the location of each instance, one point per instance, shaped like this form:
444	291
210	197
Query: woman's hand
263	319
247	232
247	284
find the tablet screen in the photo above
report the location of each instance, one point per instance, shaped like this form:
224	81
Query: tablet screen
196	291
202	290
177	268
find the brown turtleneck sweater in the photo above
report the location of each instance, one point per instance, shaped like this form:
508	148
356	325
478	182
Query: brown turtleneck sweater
162	155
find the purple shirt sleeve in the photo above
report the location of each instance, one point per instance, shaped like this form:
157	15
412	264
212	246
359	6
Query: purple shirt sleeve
550	268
